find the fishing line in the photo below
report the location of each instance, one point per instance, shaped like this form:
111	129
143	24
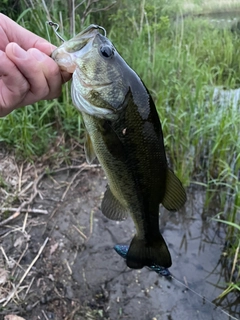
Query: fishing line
122	250
201	296
55	28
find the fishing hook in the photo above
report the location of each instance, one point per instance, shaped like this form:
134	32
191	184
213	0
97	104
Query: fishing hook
104	30
56	26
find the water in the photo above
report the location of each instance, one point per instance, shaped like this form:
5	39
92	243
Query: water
227	98
196	244
224	19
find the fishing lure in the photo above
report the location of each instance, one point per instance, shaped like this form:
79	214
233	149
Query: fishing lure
122	250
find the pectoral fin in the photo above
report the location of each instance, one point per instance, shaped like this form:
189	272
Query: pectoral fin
175	195
112	208
88	148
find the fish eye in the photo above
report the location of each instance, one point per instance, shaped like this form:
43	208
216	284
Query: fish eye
107	51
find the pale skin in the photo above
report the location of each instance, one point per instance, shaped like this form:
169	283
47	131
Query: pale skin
27	72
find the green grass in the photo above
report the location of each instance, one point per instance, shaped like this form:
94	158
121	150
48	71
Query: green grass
181	62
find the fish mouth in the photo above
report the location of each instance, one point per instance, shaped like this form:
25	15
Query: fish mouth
66	55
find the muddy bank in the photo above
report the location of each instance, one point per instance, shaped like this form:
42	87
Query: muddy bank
79	276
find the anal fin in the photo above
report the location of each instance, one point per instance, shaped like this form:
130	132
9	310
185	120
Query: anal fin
112	208
175	195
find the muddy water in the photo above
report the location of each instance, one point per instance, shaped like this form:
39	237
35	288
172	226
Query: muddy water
100	279
196	246
80	277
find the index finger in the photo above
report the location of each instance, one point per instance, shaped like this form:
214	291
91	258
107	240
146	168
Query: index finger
23	37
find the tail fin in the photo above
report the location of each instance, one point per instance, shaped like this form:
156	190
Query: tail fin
141	254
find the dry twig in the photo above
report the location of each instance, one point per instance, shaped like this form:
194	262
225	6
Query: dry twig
80	232
82	167
72	314
20	178
29	287
71	182
4	254
44	314
68	266
19	260
17	213
11	295
25	210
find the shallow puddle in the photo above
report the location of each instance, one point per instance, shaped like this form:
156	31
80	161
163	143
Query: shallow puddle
196	245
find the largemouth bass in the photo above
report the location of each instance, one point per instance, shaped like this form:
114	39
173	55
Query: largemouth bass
124	132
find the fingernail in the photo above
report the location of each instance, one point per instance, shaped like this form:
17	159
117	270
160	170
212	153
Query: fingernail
38	54
19	52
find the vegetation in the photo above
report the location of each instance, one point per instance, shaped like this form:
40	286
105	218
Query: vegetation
181	61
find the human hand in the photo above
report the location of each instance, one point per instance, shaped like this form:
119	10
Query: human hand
27	73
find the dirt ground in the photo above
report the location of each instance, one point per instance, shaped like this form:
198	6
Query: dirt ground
57	259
